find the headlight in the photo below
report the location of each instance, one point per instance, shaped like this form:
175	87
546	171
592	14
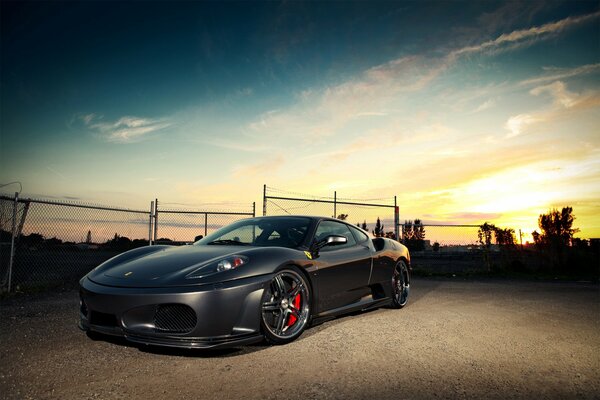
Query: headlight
225	264
230	263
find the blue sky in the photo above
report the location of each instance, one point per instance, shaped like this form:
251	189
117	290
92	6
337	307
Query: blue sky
468	111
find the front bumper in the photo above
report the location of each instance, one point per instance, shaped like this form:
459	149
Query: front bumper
206	316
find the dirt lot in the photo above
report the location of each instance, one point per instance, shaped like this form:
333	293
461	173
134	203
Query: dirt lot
465	339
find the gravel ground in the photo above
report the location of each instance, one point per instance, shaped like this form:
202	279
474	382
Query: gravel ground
455	339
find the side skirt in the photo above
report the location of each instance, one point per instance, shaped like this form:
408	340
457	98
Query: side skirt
364	304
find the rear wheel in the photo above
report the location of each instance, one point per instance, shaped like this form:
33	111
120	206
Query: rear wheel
285	307
400	285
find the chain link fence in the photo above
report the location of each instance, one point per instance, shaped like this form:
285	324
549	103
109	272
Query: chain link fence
45	242
446	237
453	237
459	248
57	242
363	212
434	248
446	248
180	226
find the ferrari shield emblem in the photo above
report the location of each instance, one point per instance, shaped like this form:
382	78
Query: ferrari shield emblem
308	255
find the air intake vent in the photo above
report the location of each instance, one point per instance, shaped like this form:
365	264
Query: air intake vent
174	318
98	318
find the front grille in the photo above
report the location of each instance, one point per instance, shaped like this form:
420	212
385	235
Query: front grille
98	318
174	318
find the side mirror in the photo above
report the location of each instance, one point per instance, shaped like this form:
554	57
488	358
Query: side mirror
331	240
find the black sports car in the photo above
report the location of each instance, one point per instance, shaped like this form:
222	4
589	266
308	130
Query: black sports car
265	277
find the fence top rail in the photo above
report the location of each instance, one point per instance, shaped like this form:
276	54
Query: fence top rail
282	192
249	213
445	225
350	203
73	204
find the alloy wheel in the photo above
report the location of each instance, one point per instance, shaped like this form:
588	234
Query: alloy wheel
401	284
285	307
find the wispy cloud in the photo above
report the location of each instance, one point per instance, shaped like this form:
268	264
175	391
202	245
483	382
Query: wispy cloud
564	104
393	135
525	37
484	106
554	74
509	14
517	124
125	130
471	216
260	169
57	173
88	118
371	114
562	97
244	92
237	145
323	113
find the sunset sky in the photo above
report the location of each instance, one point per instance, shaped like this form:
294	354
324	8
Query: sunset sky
467	111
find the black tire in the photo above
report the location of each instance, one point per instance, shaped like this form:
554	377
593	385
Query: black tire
285	307
400	285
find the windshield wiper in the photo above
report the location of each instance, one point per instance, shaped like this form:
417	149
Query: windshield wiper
229	242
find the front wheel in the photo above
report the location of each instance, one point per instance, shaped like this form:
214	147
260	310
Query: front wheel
285	307
400	285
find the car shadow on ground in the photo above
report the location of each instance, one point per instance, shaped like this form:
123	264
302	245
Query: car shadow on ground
419	291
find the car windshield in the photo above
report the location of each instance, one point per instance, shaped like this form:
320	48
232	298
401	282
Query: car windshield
262	232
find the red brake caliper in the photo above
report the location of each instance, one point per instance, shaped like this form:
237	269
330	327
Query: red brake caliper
296	303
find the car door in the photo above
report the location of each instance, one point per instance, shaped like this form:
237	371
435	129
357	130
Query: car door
343	270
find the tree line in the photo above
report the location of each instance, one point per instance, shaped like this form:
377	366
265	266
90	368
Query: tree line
556	231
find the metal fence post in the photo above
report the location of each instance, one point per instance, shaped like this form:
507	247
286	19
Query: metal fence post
396	220
264	200
205	224
23	217
335	204
155	220
150	223
253	209
521	238
12	240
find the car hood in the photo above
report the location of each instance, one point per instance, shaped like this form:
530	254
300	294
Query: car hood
164	266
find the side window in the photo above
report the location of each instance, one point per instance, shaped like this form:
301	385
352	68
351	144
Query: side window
327	228
360	236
